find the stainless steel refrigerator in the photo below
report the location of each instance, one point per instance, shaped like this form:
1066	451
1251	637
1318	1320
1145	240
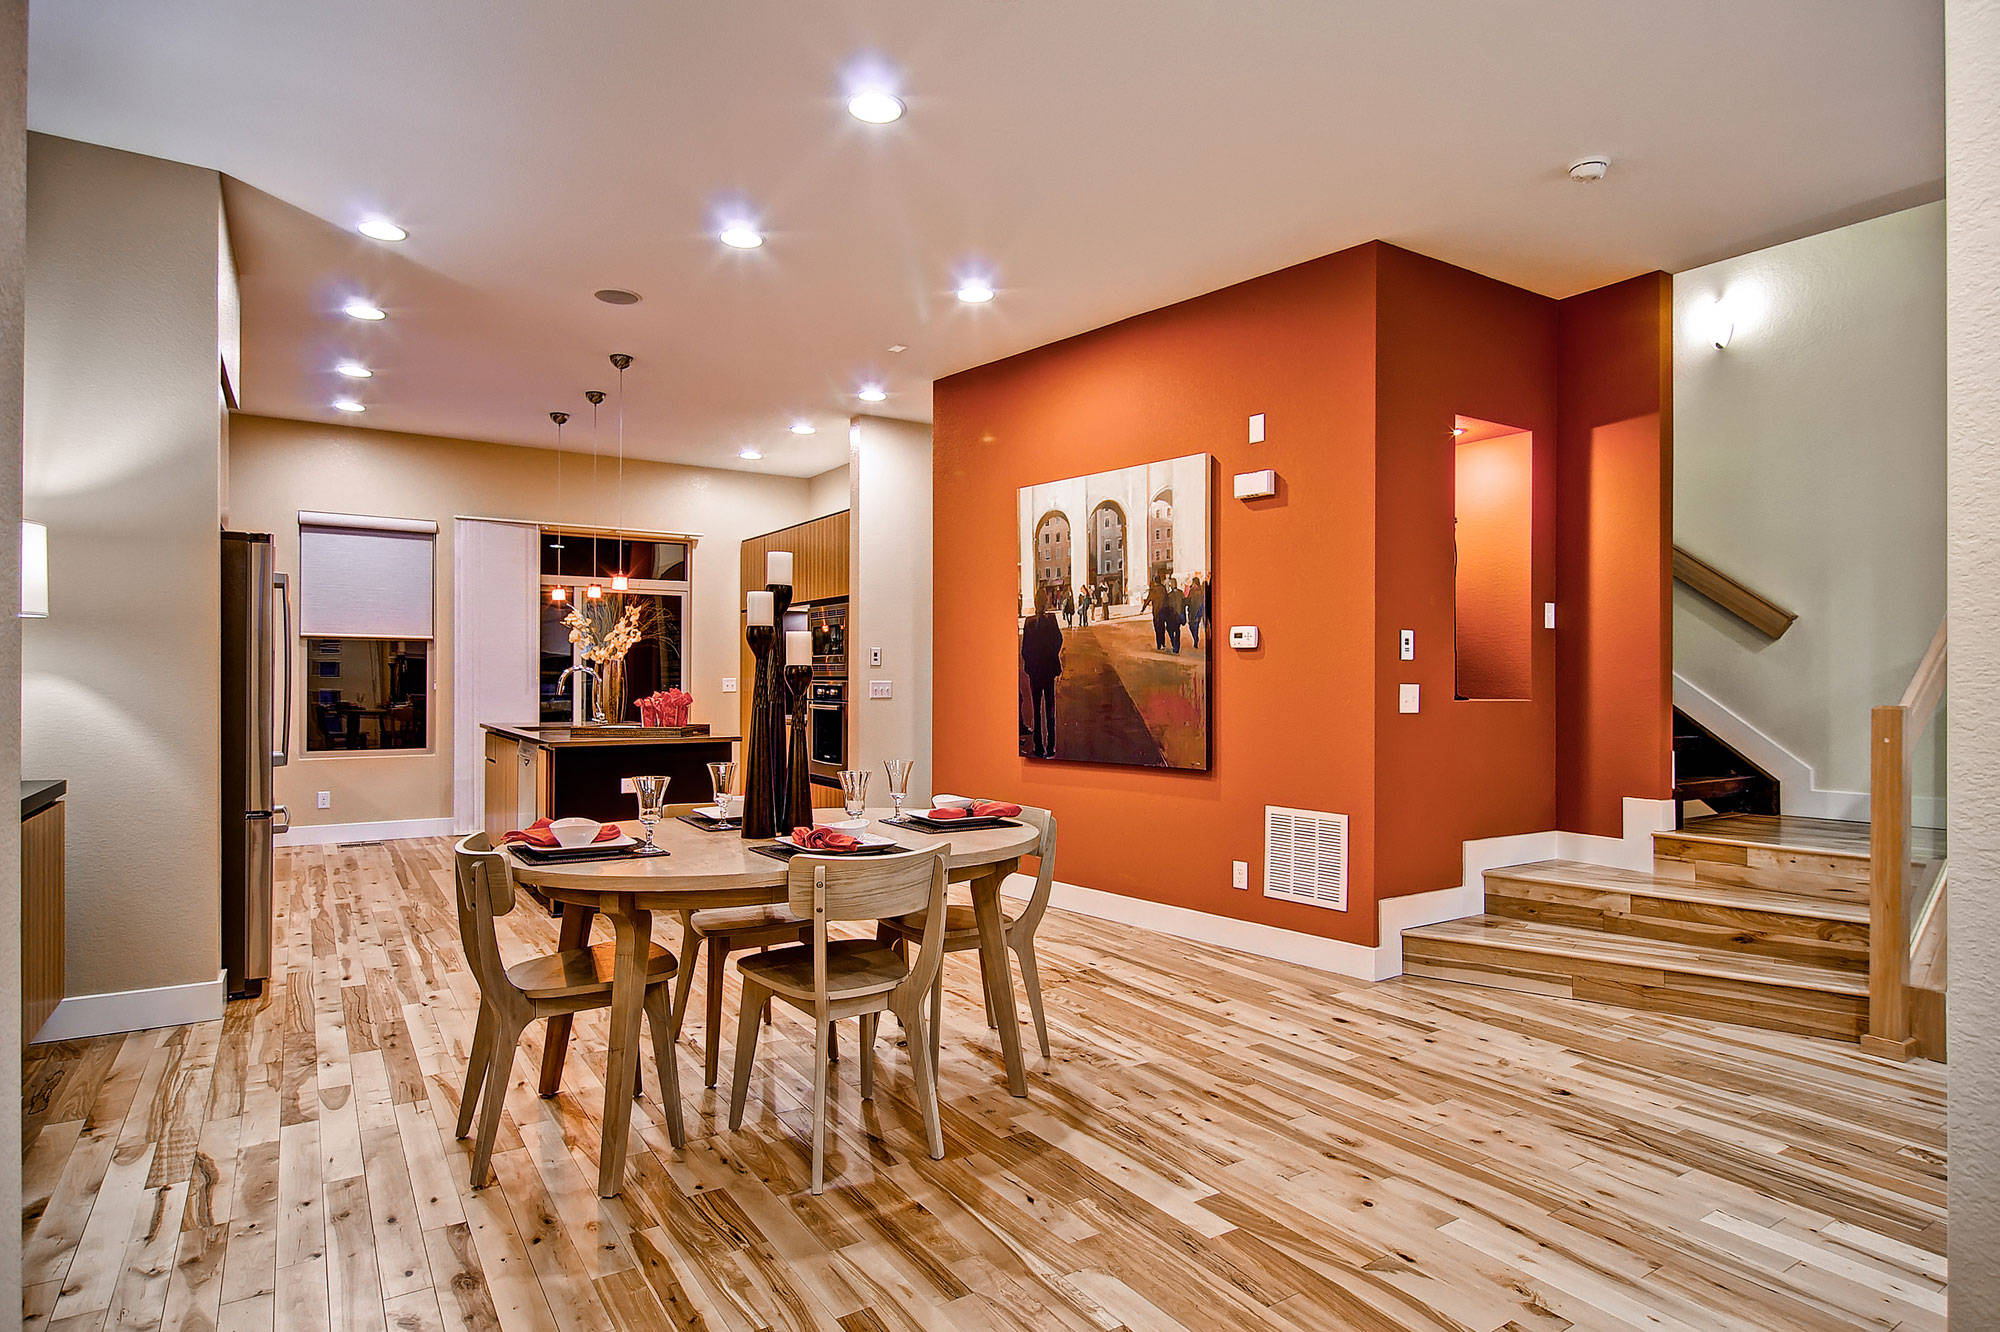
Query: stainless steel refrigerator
256	738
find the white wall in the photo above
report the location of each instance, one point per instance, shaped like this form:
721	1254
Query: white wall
13	261
826	493
1809	462
1972	162
889	598
123	462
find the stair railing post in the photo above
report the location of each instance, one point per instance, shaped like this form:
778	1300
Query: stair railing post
1888	877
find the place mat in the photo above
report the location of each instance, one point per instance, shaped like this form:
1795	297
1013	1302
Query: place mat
922	824
563	855
706	824
785	851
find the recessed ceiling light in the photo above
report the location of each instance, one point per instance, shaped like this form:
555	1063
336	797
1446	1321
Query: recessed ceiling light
803	428
740	236
617	296
875	106
898	348
360	309
347	405
748	455
975	291
871	393
354	370
381	228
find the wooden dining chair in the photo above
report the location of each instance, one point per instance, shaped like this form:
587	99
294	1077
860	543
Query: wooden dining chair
842	978
961	933
720	932
552	985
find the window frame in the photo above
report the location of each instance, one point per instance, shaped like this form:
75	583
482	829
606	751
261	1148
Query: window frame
575	583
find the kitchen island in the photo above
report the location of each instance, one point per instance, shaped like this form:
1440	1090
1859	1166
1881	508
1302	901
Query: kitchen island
560	771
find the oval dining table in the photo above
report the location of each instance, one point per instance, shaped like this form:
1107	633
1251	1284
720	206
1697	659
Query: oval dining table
720	869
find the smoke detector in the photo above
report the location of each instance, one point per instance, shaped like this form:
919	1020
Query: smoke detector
1589	169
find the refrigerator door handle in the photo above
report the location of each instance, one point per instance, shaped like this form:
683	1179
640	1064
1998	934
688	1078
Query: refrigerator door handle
281	819
283	754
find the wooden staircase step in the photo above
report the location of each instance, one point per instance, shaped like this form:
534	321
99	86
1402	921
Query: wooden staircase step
1718	917
1781	852
1657	975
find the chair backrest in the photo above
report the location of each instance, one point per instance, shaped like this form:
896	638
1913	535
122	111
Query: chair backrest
830	888
1044	822
485	890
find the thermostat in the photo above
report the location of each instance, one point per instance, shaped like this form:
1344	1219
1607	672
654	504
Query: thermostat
1256	485
1243	635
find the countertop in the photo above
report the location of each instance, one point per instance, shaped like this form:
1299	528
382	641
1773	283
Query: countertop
565	736
38	796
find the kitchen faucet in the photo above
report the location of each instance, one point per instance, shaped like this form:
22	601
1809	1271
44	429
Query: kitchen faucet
595	696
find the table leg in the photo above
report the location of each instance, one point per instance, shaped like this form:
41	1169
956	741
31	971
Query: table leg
628	996
574	932
998	975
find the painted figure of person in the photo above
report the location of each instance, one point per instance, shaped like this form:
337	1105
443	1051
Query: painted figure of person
1069	608
1197	608
1041	660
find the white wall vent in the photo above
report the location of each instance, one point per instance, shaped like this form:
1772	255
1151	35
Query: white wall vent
1305	857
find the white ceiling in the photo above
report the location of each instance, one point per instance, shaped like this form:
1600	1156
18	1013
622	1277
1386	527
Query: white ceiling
1102	157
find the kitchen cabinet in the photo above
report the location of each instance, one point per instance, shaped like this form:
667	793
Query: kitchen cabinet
819	558
42	906
515	776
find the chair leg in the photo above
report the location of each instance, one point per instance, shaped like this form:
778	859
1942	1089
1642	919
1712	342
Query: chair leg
1031	981
660	1017
937	1017
925	1070
868	1025
684	974
986	995
499	1072
718	968
746	1050
825	1030
475	1068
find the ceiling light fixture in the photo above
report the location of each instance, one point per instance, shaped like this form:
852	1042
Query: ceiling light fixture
381	229
740	236
804	428
975	291
595	591
1589	169
898	348
355	370
621	550
360	309
557	592
872	393
748	455
616	296
875	106
347	405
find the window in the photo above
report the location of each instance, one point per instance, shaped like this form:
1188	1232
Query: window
656	570
367	693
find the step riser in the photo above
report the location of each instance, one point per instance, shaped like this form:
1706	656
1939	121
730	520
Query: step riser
1811	940
1834	878
1773	1008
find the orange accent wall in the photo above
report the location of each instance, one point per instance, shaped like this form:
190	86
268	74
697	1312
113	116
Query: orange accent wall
1614	565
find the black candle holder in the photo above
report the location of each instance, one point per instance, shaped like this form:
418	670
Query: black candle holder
781	600
798	792
759	807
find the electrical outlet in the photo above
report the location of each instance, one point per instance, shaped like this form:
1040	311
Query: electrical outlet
1239	874
728	684
323	800
1409	645
1406	700
878	689
874	656
1548	615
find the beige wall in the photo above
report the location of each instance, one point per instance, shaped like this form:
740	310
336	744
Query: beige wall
13	258
1809	461
279	467
889	597
1972	266
123	462
826	493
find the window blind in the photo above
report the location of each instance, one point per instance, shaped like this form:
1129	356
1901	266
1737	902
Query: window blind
363	577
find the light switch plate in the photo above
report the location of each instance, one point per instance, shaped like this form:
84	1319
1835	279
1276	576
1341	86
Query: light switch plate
1408	646
1406	700
1257	428
1239	874
1548	615
323	800
874	656
1243	635
878	689
1256	485
728	684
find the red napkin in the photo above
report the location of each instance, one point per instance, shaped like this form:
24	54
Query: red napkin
995	809
538	834
825	839
947	812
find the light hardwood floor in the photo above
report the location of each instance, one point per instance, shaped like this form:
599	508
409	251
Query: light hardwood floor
1218	1143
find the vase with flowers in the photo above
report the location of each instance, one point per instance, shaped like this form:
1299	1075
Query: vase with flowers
603	634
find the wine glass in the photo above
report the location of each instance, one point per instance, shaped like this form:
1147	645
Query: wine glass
652	793
899	771
722	776
854	791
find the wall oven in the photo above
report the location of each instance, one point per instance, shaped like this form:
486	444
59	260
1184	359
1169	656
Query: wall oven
826	730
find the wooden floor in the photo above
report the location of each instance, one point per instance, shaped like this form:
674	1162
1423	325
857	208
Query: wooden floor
1219	1143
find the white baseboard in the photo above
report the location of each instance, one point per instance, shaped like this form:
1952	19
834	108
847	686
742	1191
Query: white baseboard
323	834
83	1015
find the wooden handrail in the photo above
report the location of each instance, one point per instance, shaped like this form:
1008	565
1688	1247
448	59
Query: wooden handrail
1767	617
1894	729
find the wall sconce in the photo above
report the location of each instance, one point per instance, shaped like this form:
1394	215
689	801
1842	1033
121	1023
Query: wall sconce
34	571
1721	328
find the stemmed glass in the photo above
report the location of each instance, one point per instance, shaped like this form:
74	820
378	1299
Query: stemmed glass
899	771
652	793
854	791
722	776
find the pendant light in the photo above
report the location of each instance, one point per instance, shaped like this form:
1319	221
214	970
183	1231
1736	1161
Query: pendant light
594	590
619	581
557	592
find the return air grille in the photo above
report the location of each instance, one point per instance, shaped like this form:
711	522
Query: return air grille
1305	857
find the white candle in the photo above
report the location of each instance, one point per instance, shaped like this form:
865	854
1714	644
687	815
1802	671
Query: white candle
763	610
798	647
778	568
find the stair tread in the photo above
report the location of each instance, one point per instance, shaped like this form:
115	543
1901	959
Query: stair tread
1656	954
1576	874
1792	832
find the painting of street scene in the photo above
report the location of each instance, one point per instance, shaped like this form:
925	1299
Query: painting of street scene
1116	616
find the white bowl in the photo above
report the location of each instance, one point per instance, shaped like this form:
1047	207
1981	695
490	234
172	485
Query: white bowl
575	832
952	802
845	825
